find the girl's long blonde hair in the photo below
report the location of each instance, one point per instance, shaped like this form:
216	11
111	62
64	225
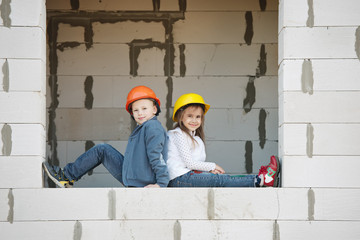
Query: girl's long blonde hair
200	130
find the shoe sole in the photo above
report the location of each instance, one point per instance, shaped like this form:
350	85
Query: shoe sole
276	180
51	177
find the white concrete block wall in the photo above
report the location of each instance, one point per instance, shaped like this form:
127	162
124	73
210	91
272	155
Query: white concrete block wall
219	213
282	204
319	92
322	168
22	93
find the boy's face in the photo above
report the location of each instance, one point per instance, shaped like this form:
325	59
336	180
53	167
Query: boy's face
143	110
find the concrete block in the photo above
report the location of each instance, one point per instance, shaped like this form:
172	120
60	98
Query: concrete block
320	42
233	87
293	203
292	139
126	5
128	229
226	229
329	139
30	78
40	204
265	26
228	59
265	203
71	91
24	140
58	5
40	230
336	204
293	13
246	203
21	172
230	5
4	205
69	33
107	91
340	171
303	107
210	27
169	5
331	230
127	31
236	125
230	155
328	75
323	13
26	14
83	124
107	5
22	107
79	61
346	13
149	203
151	62
336	139
12	44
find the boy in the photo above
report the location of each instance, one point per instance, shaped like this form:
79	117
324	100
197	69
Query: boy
144	162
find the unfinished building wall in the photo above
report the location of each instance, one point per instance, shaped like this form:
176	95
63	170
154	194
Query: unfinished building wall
319	96
227	52
22	93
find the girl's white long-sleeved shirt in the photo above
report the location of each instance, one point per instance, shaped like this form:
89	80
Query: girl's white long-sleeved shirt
185	155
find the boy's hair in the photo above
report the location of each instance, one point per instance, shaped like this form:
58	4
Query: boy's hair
153	101
200	130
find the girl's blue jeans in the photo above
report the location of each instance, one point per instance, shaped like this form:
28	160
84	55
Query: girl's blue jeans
104	154
207	179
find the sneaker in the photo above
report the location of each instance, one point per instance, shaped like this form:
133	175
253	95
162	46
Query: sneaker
269	174
56	174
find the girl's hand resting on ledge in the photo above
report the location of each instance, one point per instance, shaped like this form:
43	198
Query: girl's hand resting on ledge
218	170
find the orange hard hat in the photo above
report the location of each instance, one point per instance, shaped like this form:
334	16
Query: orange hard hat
140	92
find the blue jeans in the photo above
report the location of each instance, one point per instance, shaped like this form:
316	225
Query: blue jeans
207	179
104	154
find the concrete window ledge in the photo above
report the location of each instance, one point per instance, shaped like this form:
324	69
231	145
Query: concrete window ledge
173	213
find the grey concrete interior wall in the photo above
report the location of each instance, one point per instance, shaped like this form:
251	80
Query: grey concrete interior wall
227	52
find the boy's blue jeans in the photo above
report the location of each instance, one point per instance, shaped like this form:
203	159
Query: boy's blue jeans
207	179
111	158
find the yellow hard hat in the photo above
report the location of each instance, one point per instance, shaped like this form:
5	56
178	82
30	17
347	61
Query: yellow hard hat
188	99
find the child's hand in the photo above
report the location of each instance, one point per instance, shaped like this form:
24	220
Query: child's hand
218	170
152	186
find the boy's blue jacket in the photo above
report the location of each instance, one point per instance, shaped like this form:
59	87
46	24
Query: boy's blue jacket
146	155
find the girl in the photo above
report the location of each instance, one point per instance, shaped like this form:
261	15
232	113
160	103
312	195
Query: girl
186	156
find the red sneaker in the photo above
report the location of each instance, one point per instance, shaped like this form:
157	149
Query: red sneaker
269	174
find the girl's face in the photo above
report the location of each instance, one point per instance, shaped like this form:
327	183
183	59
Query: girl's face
192	117
143	110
